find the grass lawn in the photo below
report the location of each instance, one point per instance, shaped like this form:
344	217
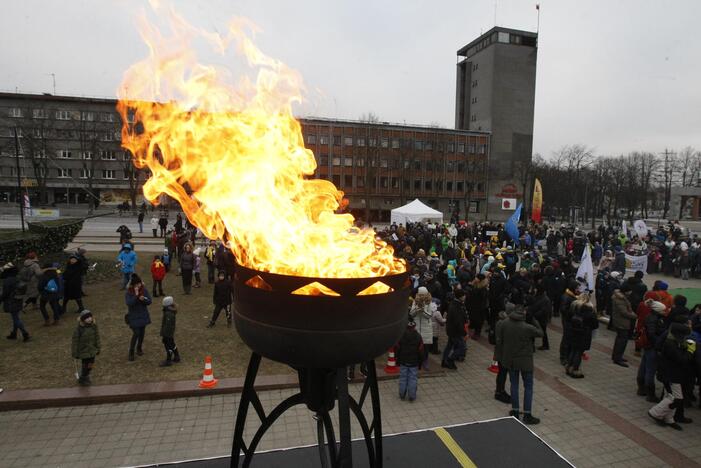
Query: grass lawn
693	295
46	362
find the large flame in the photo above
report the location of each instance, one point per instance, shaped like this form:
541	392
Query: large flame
233	156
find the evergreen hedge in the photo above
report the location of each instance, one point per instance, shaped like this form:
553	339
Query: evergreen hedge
42	237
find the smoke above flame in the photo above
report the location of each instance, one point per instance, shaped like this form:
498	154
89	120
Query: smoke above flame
230	151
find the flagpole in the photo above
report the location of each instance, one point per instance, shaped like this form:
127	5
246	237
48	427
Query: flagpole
20	197
537	28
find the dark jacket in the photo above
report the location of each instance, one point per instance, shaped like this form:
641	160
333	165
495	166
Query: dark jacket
138	315
410	348
515	338
10	303
655	325
619	262
674	361
48	275
86	341
582	322
73	281
168	322
222	293
187	261
638	290
456	319
541	309
622	313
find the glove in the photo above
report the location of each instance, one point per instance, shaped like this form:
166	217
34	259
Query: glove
691	346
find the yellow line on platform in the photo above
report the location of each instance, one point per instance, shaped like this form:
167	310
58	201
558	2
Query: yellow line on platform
454	448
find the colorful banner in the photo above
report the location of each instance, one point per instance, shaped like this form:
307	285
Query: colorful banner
537	202
636	263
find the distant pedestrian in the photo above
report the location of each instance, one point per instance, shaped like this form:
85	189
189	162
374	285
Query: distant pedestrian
127	263
166	260
158	274
85	345
163	224
137	299
197	267
154	226
455	329
209	255
222	298
140	220
170	309
28	278
622	317
50	293
410	351
187	265
12	300
72	285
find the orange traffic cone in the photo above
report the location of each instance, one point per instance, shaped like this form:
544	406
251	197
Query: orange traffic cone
391	367
494	368
208	380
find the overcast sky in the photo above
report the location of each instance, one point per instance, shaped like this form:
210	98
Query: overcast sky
618	75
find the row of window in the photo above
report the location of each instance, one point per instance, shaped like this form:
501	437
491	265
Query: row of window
105	155
107	174
417	165
65	133
394	183
60	114
396	143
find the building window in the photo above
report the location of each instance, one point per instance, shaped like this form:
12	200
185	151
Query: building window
461	147
428	185
64	154
407	164
337	140
108	173
311	139
63	115
64	173
449	186
471	148
417	165
108	155
385	143
417	184
323	160
348	162
88	116
439	185
360	161
361	141
395	182
38	132
419	145
128	173
383	163
428	146
126	156
480	187
15	112
373	162
395	143
40	114
461	167
13	171
503	37
394	163
429	165
107	117
482	149
359	181
372	142
438	166
336	161
451	147
348	181
450	166
85	173
108	136
373	183
39	154
475	66
460	186
405	183
384	182
86	154
348	141
323	140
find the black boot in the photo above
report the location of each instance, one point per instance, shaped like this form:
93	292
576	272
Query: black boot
131	354
651	396
642	391
25	336
12	336
139	351
168	362
176	355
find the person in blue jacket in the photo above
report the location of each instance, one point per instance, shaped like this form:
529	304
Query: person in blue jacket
127	263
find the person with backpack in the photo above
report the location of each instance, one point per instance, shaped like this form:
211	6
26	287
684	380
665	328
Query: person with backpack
28	278
85	345
12	300
50	292
158	274
650	333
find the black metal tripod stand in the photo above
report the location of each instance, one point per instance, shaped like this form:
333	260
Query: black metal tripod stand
319	390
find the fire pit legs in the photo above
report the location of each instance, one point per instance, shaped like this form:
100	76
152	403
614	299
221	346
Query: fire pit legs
319	390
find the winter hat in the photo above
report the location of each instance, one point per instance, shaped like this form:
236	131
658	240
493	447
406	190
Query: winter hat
168	301
197	251
127	246
422	290
661	285
490	258
459	293
639	274
615	274
657	306
85	314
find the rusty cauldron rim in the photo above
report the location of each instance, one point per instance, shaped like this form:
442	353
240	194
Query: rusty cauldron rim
307	331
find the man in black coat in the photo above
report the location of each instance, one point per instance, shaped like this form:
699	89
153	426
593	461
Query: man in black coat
222	298
410	352
454	328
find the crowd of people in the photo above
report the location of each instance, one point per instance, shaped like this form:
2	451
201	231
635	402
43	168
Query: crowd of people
468	282
471	278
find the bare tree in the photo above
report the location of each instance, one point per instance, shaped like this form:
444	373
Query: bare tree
38	148
369	117
688	163
668	168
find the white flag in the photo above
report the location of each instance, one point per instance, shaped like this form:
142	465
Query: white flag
624	228
586	269
27	205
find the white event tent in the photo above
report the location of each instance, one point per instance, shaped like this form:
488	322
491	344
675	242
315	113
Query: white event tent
414	212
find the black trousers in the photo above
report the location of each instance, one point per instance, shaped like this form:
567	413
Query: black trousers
65	305
619	346
217	310
187	281
501	379
86	366
544	326
575	359
137	338
55	307
157	288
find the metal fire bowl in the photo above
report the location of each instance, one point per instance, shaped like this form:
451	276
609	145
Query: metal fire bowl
325	332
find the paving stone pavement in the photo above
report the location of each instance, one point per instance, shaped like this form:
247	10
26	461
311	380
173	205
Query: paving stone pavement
595	421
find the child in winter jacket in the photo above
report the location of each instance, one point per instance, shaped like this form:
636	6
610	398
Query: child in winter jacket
170	309
85	345
166	259
158	274
222	298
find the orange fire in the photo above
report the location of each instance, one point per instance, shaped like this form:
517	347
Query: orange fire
234	157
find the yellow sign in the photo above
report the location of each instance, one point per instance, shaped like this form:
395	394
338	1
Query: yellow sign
28	183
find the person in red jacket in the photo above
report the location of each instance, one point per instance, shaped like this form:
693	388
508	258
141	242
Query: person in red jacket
158	273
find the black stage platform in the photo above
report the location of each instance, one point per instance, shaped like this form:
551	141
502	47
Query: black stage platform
499	443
